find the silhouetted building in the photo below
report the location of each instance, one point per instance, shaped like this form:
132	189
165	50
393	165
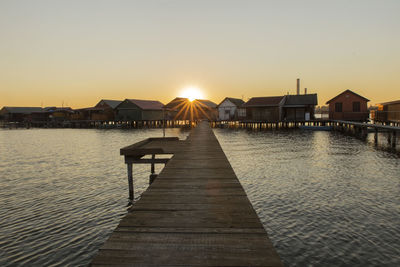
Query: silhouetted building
205	109
18	114
139	110
388	112
52	114
348	106
184	109
299	107
231	109
264	108
105	110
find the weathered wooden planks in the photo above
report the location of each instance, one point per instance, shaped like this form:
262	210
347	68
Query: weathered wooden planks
195	213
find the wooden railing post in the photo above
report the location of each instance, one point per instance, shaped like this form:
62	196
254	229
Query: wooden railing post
130	181
153	176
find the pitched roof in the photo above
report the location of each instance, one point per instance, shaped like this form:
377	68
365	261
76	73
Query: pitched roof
177	101
391	102
236	101
111	103
147	104
205	102
24	110
57	109
270	101
301	100
347	91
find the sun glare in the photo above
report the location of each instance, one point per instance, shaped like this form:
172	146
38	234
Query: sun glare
192	93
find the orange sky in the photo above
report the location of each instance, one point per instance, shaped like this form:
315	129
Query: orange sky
78	52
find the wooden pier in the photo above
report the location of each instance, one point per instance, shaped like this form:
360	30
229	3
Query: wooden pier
361	130
195	213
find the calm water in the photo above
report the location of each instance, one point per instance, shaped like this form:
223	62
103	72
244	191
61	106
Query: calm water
324	198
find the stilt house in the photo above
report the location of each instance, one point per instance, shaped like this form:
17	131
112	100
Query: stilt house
139	110
348	106
231	109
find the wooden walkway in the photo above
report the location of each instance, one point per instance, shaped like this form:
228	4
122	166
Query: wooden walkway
195	213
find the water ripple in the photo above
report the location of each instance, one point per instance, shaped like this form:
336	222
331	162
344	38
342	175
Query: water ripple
325	199
63	191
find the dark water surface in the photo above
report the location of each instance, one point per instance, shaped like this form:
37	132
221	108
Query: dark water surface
324	198
63	191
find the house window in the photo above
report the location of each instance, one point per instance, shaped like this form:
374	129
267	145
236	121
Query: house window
356	107
338	107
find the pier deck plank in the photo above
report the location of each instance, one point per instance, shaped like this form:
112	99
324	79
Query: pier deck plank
195	213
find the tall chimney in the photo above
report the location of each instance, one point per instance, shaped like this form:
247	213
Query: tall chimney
298	86
305	91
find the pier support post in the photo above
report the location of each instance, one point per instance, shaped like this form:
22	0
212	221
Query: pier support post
394	139
130	181
376	136
153	176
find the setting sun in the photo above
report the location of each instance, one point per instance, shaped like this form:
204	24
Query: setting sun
192	93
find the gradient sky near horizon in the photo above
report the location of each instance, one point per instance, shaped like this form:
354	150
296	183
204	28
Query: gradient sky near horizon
77	52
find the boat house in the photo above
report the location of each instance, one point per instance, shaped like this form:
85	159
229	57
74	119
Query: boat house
183	109
299	107
388	112
348	106
231	109
105	110
267	109
139	110
18	114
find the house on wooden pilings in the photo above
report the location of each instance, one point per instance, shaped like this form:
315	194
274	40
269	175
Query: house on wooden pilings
52	114
264	108
348	106
299	107
104	110
139	110
18	114
388	112
231	109
183	109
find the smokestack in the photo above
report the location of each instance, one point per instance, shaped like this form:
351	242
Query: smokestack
298	86
305	91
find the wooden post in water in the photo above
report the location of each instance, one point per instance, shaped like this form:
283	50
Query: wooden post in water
130	181
394	139
153	176
376	136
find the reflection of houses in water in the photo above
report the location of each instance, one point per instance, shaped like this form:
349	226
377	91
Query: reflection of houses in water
348	106
139	110
184	109
231	109
388	112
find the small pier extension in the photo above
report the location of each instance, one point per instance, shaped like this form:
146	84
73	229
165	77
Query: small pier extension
361	130
195	213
